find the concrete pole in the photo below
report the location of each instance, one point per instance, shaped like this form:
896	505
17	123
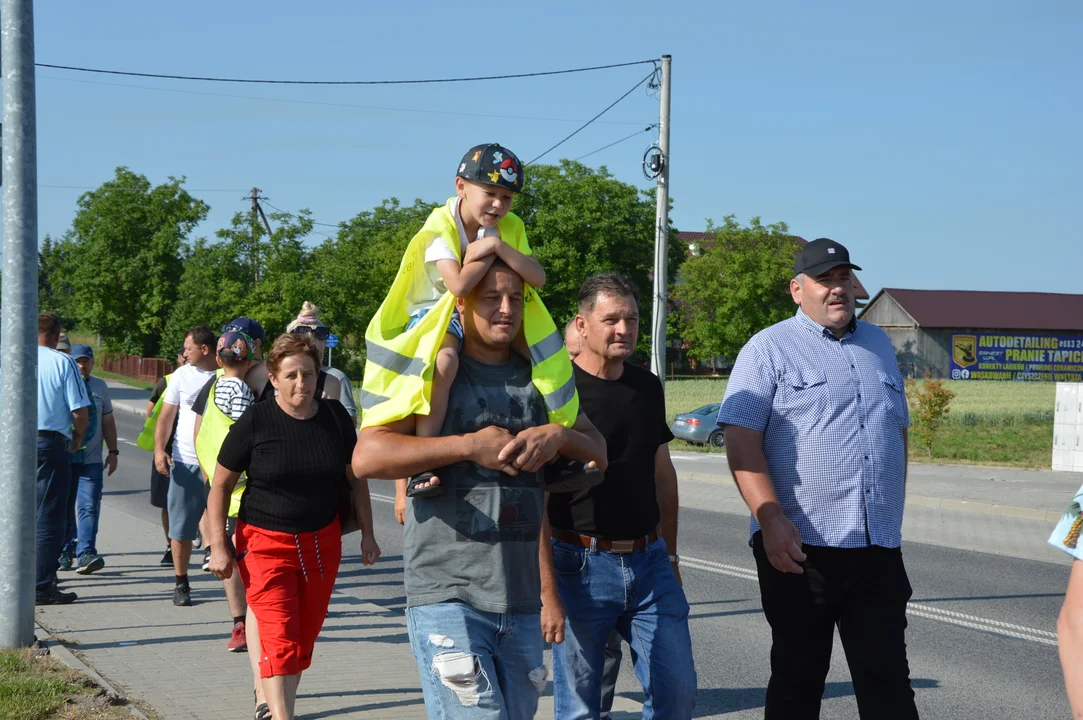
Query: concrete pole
19	338
661	235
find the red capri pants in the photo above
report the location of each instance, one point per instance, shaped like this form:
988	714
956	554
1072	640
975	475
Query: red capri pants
288	581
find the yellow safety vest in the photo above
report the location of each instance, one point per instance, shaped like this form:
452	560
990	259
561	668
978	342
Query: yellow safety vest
399	367
212	433
146	436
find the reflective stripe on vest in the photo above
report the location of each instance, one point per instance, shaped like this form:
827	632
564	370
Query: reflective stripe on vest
145	441
213	429
399	365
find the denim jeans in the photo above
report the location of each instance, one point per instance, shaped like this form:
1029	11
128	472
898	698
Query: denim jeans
83	522
54	480
636	594
477	664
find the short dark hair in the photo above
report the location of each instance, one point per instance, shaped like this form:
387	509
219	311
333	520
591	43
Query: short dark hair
608	283
291	344
48	324
202	335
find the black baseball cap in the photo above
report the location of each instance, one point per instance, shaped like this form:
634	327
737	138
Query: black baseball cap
492	164
821	255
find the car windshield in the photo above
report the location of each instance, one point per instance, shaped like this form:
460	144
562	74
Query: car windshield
707	410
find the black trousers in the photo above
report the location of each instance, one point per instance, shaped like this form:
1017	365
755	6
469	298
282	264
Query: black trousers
864	592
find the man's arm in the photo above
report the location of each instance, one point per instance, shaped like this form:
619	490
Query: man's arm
162	431
665	483
389	451
80	418
150	407
552	613
781	540
109	433
1070	639
533	447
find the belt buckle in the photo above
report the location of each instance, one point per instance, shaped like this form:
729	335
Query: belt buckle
622	546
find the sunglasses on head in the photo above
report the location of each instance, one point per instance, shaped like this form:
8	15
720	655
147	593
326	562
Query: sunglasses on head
321	333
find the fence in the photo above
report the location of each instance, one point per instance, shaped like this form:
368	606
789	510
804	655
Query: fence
147	369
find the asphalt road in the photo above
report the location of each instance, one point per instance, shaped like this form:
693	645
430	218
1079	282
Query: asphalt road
981	639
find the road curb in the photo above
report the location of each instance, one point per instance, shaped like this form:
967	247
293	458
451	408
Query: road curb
69	658
129	408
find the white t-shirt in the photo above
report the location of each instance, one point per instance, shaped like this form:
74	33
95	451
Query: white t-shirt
183	388
428	285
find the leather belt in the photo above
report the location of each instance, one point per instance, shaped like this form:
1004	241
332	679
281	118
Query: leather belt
613	546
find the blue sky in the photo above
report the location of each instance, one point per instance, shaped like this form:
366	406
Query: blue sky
939	141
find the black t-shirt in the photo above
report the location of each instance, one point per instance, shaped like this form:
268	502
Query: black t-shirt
294	467
630	413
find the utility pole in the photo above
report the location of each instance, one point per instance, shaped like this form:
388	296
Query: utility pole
661	234
19	337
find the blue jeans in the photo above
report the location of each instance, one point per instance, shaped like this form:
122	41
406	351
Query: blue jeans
477	664
54	480
636	594
83	522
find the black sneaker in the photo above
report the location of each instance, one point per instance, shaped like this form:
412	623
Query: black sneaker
64	562
182	595
167	559
207	560
55	597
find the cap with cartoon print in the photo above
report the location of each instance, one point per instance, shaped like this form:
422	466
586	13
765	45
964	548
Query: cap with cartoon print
492	164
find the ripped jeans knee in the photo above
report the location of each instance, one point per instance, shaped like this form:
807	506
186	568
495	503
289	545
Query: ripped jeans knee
461	673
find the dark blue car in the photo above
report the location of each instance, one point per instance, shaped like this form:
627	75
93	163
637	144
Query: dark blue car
700	426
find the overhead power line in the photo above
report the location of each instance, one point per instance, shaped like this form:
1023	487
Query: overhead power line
295	215
618	142
255	81
588	122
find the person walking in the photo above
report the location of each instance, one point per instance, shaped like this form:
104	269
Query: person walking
62	422
816	438
615	545
186	498
88	481
296	452
308	322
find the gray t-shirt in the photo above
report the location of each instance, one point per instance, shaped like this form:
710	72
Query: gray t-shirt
99	392
347	391
478	542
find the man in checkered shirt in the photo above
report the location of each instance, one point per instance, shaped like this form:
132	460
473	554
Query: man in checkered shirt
816	436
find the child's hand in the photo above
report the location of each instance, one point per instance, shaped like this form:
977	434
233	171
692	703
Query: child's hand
480	249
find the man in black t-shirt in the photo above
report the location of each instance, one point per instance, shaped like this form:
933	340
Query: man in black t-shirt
615	544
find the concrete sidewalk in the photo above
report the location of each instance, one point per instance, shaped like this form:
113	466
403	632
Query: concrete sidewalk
174	660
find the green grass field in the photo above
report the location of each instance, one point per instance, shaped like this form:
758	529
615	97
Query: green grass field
33	688
995	423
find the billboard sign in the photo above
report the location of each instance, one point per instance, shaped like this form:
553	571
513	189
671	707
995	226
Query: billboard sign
995	356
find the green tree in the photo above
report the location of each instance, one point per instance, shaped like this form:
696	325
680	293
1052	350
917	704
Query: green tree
56	262
353	272
246	272
582	221
737	285
128	238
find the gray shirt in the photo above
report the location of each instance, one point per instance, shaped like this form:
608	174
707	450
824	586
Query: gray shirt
99	392
478	542
346	398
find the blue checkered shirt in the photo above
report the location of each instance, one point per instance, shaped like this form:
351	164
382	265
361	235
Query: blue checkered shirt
832	413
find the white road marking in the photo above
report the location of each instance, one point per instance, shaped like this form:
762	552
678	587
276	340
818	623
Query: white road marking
973	622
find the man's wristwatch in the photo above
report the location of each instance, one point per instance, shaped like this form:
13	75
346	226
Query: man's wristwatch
114	452
675	559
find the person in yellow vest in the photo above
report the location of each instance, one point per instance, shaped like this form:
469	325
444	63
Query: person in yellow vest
228	399
413	341
159	484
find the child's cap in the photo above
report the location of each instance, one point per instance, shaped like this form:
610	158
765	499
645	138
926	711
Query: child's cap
235	345
492	164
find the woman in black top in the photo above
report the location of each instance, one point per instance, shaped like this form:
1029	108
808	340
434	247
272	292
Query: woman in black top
296	453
